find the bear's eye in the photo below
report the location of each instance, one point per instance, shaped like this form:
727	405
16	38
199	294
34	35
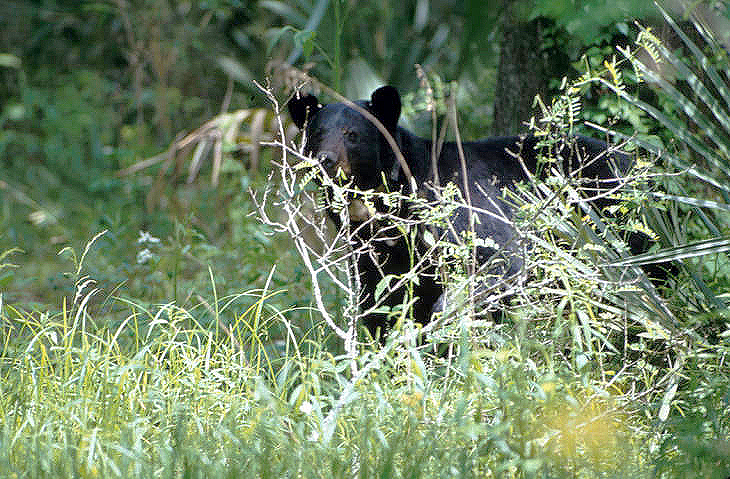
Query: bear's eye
351	136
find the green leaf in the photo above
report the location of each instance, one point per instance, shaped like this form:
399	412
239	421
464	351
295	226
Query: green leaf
382	285
305	39
9	61
699	248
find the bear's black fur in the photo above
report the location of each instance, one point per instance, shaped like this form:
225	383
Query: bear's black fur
342	138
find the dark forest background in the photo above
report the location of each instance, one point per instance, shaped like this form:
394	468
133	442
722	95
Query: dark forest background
90	89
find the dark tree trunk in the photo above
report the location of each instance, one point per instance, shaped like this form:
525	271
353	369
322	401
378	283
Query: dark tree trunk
523	71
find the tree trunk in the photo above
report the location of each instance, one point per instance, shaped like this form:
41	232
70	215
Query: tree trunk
523	70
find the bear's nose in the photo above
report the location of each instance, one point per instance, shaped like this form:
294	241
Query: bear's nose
328	160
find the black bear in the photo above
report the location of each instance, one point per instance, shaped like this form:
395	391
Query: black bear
342	138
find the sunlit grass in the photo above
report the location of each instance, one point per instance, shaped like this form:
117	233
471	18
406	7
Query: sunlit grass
210	390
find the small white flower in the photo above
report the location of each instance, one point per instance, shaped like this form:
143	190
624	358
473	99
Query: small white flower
306	408
145	237
144	256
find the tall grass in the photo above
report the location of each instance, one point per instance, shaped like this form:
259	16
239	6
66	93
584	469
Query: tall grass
166	393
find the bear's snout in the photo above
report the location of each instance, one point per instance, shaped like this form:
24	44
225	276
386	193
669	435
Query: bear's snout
331	161
328	160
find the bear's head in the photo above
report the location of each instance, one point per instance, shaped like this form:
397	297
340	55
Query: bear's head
341	138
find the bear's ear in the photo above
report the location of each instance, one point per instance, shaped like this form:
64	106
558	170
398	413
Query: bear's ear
385	103
302	108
